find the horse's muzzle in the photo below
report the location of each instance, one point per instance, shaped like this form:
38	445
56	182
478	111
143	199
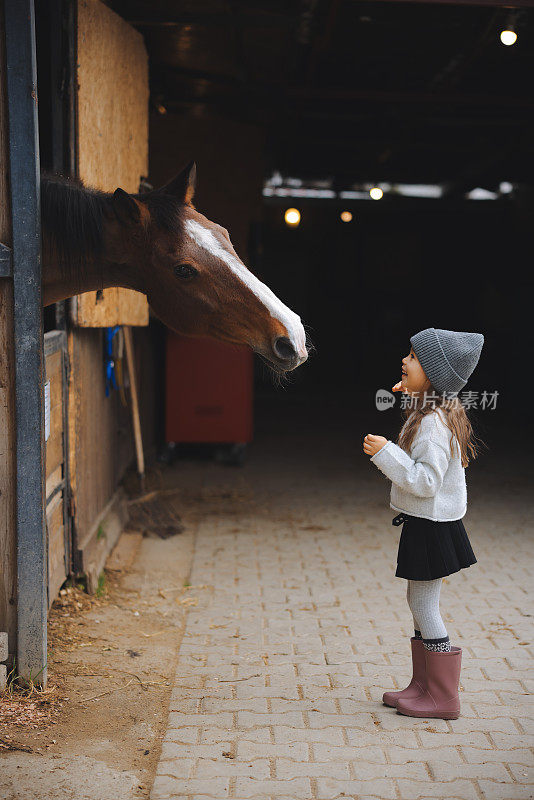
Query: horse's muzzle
286	356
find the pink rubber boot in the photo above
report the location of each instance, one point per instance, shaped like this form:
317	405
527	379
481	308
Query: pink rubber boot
417	685
440	700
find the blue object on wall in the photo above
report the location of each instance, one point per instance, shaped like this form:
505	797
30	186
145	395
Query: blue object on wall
109	362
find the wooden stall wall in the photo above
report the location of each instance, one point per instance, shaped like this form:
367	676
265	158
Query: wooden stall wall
8	553
56	500
112	151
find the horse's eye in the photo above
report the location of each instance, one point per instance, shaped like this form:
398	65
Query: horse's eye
185	271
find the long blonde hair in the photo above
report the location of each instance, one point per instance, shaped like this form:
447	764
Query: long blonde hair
455	418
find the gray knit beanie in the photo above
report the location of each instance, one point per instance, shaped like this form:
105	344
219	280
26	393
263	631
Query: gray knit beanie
447	357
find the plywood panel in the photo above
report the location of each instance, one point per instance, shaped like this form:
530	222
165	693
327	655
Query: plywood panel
56	547
8	558
55	464
53	480
111	307
54	444
96	309
112	135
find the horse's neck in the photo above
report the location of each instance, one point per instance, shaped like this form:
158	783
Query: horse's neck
58	284
65	211
92	277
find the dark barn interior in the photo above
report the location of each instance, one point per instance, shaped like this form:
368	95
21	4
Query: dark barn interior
334	98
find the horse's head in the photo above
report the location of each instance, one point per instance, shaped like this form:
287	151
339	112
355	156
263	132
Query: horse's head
195	282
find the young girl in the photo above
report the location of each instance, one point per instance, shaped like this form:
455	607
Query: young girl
427	471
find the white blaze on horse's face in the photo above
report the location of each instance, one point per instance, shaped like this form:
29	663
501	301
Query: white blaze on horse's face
207	239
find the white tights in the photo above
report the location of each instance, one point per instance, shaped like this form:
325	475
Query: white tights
423	599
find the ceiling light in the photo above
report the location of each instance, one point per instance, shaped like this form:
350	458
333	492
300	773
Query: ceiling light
508	37
418	189
376	193
481	194
292	217
346	216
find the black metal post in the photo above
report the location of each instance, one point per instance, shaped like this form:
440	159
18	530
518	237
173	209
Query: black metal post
25	208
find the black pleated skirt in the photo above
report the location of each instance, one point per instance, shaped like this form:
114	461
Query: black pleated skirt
429	550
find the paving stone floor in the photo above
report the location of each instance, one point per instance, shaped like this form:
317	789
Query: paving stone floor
297	625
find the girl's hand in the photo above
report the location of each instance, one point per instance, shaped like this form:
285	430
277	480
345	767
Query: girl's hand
372	444
397	387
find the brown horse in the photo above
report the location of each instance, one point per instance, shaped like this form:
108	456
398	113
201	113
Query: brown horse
157	243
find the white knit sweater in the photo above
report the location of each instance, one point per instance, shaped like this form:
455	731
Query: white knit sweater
429	482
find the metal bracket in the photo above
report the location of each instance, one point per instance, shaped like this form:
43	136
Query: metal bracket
6	261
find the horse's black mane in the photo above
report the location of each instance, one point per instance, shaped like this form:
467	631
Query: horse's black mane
73	217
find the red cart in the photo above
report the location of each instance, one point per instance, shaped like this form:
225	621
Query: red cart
209	391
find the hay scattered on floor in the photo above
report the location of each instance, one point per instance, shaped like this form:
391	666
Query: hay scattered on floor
26	708
65	617
31	707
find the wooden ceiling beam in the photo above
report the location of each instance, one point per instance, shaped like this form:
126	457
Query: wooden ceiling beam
273	20
364	117
226	19
280	93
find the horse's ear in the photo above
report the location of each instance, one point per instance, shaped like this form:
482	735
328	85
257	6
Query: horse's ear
183	185
125	207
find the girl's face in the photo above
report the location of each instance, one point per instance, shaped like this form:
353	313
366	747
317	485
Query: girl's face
414	379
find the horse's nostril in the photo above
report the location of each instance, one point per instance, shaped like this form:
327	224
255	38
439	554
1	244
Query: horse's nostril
284	349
